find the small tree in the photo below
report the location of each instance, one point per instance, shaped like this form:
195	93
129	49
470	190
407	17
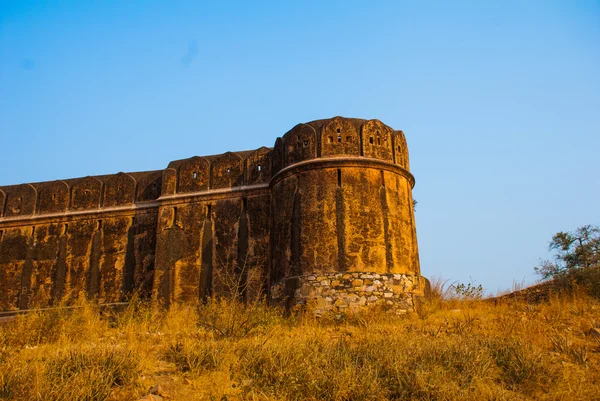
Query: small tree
576	257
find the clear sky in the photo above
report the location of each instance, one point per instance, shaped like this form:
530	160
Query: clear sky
500	102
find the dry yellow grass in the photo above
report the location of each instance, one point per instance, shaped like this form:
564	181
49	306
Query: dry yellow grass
225	351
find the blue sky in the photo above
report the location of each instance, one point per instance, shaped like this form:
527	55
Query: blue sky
500	102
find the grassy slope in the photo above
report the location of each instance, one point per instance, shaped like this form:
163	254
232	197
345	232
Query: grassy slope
450	350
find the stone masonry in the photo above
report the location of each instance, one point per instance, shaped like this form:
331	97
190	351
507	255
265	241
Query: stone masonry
324	217
350	291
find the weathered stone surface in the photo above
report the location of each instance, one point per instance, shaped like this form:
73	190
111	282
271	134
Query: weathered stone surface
325	213
346	295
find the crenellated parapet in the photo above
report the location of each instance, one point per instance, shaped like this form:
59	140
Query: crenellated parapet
227	170
186	176
340	137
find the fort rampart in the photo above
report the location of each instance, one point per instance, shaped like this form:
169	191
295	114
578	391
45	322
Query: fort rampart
325	216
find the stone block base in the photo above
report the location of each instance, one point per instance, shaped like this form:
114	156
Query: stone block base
339	292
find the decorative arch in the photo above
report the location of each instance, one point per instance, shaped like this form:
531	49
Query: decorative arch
193	175
258	166
277	157
20	200
300	143
401	150
377	140
340	137
86	193
149	186
227	170
119	190
53	197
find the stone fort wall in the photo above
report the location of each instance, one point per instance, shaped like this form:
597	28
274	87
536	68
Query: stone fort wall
331	198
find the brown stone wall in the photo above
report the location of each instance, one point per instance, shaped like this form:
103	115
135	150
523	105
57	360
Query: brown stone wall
87	235
343	219
108	258
332	197
212	246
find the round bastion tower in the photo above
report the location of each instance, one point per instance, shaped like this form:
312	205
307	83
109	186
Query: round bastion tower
343	227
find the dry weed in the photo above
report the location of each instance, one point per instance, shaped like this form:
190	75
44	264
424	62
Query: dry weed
457	349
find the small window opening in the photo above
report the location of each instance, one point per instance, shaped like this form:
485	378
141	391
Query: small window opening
33	231
244	203
339	138
228	170
99	225
399	149
175	216
339	174
208	210
371	140
195	174
87	192
53	196
378	141
349	139
305	143
259	168
382	179
330	139
339	130
65	229
1	234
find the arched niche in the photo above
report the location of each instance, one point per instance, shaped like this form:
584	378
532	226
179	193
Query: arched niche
166	217
149	186
258	166
2	200
53	197
277	156
86	193
119	190
227	170
377	140
192	175
300	143
401	150
20	200
340	137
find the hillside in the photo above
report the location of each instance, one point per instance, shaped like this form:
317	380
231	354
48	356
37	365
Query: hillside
225	351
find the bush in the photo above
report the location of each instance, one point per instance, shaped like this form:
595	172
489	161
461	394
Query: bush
227	318
576	262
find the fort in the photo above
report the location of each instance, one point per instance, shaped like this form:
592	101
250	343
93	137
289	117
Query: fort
325	217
